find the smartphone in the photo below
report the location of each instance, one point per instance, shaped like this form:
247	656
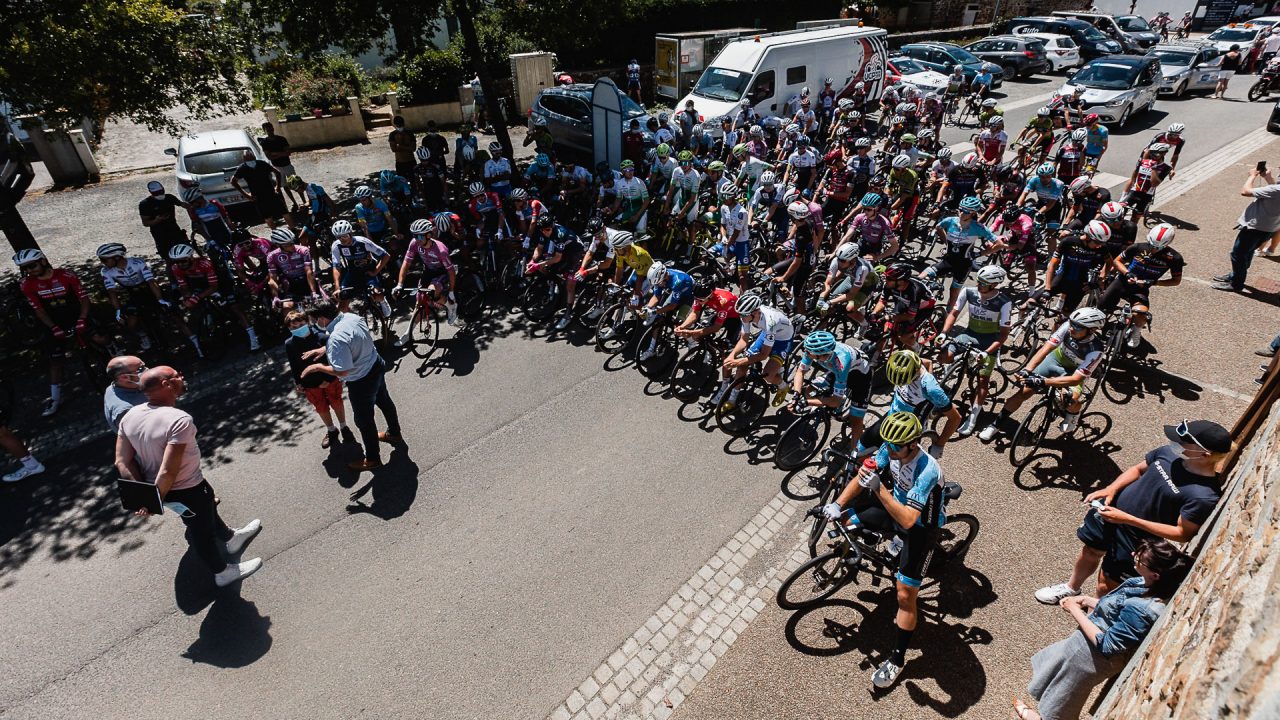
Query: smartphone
1262	166
1097	504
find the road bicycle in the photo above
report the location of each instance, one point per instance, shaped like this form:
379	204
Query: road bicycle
697	368
960	378
1035	427
745	402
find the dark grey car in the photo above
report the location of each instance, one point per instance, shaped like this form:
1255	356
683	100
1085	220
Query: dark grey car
1016	56
567	110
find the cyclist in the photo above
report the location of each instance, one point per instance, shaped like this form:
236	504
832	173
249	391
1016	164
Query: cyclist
660	170
904	194
1079	257
196	282
437	268
773	333
906	304
485	209
61	304
990	312
900	499
764	205
393	188
802	166
632	198
1015	233
735	241
498	171
357	263
982	80
991	142
1038	133
558	251
430	180
628	256
872	231
574	183
1097	139
719	301
1008	181
671	293
990	111
1069	108
373	215
209	219
939	169
1048	203
963	180
964	239
250	258
682	193
541	175
845	382
131	288
465	148
751	169
1173	138
847	282
1139	267
1147	175
1064	361
862	166
794	270
1086	200
525	212
1071	155
289	268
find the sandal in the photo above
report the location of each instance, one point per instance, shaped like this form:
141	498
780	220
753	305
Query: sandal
1022	712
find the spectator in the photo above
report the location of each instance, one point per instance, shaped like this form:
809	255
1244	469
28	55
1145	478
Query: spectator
685	120
1111	629
158	213
402	143
263	183
157	444
1256	224
633	143
633	81
276	148
439	147
1168	495
353	358
1269	47
10	442
1230	65
322	390
463	165
478	115
125	372
1271	350
540	137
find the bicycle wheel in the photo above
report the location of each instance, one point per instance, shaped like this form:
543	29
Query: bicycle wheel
694	372
656	347
952	544
541	298
613	330
743	406
802	439
470	293
1098	381
512	278
423	331
1030	433
817	580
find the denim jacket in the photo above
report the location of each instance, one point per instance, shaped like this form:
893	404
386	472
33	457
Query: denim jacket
1125	617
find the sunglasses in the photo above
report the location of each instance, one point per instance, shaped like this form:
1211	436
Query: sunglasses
1076	326
1184	433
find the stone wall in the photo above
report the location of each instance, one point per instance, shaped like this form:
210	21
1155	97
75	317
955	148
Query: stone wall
308	132
1216	651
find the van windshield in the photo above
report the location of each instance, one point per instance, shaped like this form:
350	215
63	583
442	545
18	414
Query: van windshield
1133	23
722	84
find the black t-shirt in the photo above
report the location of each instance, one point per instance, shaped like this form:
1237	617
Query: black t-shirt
165	206
1231	61
258	176
1149	264
294	347
1089	204
1167	491
273	144
438	146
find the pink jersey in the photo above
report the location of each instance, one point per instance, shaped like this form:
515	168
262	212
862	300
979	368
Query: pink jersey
292	265
433	254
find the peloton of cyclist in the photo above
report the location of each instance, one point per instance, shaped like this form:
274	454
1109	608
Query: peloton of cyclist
197	282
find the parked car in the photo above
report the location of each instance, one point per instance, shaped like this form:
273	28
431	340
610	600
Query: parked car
1273	122
1268	22
1093	43
912	72
942	57
1060	50
567	110
1107	24
1243	35
207	160
1017	55
1117	87
1137	28
1187	67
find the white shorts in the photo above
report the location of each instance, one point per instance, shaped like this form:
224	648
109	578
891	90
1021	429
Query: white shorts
1225	75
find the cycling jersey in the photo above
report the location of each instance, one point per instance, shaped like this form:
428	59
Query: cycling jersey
636	258
252	258
984	79
990	145
633	74
773	326
665	168
914	480
765	198
1020	232
487	210
678	287
964	240
212	215
396	188
913	299
857	271
541	172
1040	124
135	274
496	169
316	197
374	216
685	182
59	295
1148	171
361	253
842	362
734	221
1088	204
563	242
633	194
1051	189
963	181
721	301
1075	260
940	169
577	176
752	169
433	254
1070	160
920	396
904	182
1096	139
873	232
986	316
197	277
292	265
532	210
1147	264
862	167
1073	353
1175	142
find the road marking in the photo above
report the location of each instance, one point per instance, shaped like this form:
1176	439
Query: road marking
1037	100
1210	165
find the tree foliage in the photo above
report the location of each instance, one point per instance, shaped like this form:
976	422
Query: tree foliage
66	60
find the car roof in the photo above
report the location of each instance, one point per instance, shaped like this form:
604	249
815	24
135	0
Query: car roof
746	51
1043	35
1134	60
1068	21
932	43
1007	36
1171	47
215	140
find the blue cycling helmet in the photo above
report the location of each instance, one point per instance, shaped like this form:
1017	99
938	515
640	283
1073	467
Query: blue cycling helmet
871	200
1046	168
971	204
542	159
387	176
820	342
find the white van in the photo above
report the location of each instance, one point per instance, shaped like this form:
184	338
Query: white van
770	69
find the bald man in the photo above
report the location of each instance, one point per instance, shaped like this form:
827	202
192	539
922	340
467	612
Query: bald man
123	392
157	444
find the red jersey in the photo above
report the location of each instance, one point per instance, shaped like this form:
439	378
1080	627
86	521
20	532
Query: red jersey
1148	171
197	277
633	147
57	295
721	301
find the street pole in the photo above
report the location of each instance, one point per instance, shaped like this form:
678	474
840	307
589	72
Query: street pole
467	26
15	230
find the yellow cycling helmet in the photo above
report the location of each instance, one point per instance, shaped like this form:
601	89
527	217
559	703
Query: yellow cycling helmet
902	367
900	428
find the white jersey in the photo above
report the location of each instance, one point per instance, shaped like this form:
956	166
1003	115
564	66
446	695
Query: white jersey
803	159
734	221
134	274
773	324
495	168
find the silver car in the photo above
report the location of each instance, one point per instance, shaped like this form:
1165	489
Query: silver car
1187	67
208	160
1117	87
567	110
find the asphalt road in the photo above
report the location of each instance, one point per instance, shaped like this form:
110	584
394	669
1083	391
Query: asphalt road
545	507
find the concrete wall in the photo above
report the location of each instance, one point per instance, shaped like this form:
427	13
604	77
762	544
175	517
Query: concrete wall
67	156
1216	651
322	131
417	116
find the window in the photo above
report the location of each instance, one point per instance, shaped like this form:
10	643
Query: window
217	161
762	88
1001	46
722	84
554	104
796	75
981	46
577	109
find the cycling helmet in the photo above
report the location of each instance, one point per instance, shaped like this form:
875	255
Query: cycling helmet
1044	111
684	156
827	81
995	121
1159	148
1097	231
971	204
1160	236
970	160
444	223
626	165
845	104
908	139
900	428
855	115
1091	118
1011	213
902	161
927	133
790	196
387	176
1078	90
28	256
542	160
495	148
904	107
820	342
1177	128
944	153
1046	168
897	271
871	200
422	154
767	178
663	150
468	153
364	191
657	274
1088	317
421	226
545	221
756	131
663	118
341	228
988	67
1112	210
989	103
902	367
910	91
1079	134
747	304
992	275
716	166
702	289
181	251
594	225
190	195
897	120
847	252
798	210
862	142
113	249
792	129
621	240
519	194
741	148
727	190
282	236
476	188
1080	184
859	85
802	140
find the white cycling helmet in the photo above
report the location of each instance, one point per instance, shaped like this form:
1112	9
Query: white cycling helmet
992	275
970	160
845	104
657	274
897	120
341	228
1080	184
1160	236
1088	317
1112	210
364	191
620	240
1177	128
768	178
282	236
989	103
747	303
1079	134
756	131
495	148
181	251
28	256
112	249
421	226
190	195
944	153
1044	111
792	129
859	85
798	210
476	188
790	196
422	154
847	251
1098	231
1158	148
444	225
902	161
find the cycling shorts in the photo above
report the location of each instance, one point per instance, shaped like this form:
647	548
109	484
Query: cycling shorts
1137	201
777	352
917	541
982	341
357	278
740	251
1051	368
955	266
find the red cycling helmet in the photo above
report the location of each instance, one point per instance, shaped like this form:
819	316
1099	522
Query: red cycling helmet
1091	118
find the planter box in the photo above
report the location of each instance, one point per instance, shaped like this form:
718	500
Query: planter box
323	131
417	116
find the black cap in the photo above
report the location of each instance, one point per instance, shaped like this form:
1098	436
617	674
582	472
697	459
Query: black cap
1207	434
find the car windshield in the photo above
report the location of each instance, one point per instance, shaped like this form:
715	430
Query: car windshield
1133	23
208	163
1106	76
1169	57
1092	33
630	108
722	84
962	56
907	66
1233	34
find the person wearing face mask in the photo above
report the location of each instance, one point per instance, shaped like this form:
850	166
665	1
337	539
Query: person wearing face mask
123	393
321	389
1168	495
158	214
259	181
12	444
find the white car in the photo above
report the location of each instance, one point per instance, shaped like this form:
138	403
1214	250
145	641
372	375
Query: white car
1243	35
912	72
1062	51
208	160
1117	87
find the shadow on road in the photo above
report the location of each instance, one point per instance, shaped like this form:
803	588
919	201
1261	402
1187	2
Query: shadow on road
234	633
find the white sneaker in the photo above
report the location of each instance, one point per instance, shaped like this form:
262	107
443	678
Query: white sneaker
1070	422
23	472
1133	337
989	433
647	354
885	675
970	422
595	312
1053	594
402	342
451	311
606	333
50	407
237	571
564	321
242	537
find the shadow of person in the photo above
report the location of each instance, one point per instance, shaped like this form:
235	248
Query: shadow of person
193	586
391	490
233	635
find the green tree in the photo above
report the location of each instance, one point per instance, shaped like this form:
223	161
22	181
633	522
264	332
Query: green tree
66	60
308	28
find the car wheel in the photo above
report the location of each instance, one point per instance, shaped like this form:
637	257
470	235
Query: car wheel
1010	72
1124	117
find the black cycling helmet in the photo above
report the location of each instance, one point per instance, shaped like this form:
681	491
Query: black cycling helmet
897	271
594	225
545	221
702	289
1010	214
